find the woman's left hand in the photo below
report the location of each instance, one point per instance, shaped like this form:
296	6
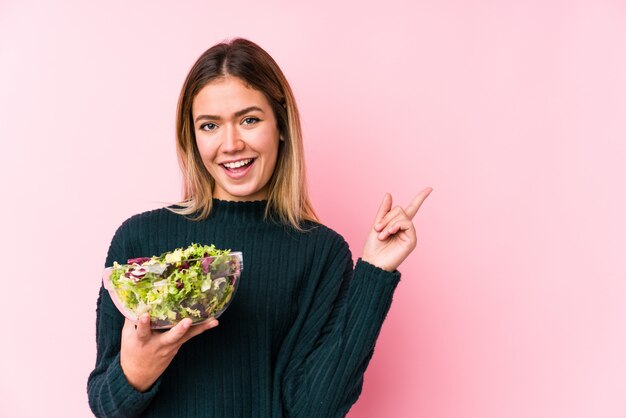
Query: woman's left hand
392	237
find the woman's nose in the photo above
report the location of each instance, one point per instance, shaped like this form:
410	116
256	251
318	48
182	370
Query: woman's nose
232	141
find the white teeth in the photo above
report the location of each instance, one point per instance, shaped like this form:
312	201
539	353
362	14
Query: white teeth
237	164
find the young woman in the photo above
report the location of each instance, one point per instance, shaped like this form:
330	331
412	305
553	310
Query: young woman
299	334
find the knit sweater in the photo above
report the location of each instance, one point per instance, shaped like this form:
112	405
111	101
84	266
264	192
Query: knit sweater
294	342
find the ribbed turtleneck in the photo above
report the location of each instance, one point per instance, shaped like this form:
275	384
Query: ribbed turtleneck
295	341
238	211
229	211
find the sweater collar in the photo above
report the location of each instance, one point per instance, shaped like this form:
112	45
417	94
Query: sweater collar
238	212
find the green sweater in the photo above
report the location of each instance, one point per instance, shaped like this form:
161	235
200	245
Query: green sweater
294	342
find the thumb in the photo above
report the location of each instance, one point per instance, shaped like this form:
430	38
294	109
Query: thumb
176	333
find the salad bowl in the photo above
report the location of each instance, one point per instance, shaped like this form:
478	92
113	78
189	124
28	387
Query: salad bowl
197	282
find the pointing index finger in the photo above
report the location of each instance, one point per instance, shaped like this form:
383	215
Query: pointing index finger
414	206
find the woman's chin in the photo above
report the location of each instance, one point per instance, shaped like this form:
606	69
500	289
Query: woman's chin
241	194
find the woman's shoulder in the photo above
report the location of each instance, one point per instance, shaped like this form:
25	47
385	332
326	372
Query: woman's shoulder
325	236
147	219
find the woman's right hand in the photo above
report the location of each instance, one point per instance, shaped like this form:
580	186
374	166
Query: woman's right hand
145	354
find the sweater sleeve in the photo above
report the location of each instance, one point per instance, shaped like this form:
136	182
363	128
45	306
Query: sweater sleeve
334	337
109	393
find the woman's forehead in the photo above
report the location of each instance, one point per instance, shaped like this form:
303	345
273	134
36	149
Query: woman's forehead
230	99
228	94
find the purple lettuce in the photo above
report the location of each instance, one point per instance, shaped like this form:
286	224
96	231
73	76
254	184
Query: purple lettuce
138	260
206	263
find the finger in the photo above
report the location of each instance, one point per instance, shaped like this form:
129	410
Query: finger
199	329
142	328
384	207
397	225
390	216
414	206
176	333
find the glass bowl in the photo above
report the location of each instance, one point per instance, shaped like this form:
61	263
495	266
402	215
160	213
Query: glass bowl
199	288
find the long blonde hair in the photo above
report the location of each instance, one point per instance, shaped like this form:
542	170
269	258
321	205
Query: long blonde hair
288	197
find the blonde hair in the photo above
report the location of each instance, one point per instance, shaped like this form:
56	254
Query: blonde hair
288	197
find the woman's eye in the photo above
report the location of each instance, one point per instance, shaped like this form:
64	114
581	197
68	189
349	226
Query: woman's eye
208	127
250	121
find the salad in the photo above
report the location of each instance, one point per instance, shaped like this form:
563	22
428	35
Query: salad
196	282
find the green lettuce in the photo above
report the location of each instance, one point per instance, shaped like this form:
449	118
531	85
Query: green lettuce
194	282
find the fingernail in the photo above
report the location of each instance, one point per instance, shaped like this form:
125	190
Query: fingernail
144	319
213	323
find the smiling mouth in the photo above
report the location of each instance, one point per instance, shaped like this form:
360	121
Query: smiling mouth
240	165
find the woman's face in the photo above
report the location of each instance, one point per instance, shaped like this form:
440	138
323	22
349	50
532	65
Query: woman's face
237	136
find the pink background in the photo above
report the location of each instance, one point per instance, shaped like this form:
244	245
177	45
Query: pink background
513	305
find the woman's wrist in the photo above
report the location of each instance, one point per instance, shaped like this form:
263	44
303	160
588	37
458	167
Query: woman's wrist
381	266
139	380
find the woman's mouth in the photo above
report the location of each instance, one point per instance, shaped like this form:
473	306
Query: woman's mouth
238	169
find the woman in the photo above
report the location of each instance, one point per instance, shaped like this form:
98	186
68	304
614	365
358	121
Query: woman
301	330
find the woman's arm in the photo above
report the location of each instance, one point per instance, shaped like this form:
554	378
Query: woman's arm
130	359
110	393
321	364
332	341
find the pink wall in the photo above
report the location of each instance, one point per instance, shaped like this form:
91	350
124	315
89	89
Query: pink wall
514	112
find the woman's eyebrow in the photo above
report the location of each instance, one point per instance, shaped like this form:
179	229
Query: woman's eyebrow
247	110
237	113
